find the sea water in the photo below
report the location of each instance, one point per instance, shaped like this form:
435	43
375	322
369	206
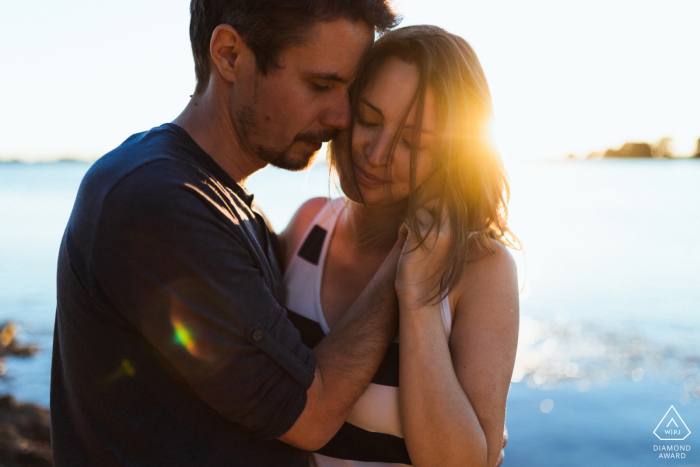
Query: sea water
610	301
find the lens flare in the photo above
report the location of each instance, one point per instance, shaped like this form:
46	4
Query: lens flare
125	369
183	336
187	334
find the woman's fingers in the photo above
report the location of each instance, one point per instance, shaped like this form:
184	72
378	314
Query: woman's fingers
445	221
427	229
425	253
424	217
431	204
445	229
502	456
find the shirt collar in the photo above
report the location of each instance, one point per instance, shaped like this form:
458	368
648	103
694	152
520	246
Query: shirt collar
211	165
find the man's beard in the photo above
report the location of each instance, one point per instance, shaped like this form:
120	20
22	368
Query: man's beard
281	157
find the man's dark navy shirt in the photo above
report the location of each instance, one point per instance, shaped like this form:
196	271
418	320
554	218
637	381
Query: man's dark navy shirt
171	347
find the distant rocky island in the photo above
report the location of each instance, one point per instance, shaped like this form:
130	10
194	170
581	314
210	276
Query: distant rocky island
662	150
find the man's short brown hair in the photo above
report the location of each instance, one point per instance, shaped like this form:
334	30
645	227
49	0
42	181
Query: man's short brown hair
270	26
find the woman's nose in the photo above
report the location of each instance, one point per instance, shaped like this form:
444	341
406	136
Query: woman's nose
377	149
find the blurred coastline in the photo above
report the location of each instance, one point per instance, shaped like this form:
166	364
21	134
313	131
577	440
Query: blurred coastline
662	150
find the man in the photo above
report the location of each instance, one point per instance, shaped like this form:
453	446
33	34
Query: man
171	346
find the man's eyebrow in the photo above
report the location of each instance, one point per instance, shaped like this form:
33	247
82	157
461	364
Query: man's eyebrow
373	107
329	77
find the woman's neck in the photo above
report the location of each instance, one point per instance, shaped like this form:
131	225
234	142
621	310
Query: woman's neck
374	229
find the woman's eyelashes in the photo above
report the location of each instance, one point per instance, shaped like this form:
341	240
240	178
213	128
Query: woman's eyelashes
404	140
407	140
362	121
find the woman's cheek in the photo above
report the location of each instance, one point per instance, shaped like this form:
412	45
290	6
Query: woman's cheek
400	181
360	136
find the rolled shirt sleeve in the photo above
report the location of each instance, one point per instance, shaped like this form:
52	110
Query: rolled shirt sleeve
174	256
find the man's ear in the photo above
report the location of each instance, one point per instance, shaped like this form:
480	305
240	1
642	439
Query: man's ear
225	48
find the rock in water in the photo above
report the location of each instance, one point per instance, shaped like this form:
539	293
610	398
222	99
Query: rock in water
24	434
9	345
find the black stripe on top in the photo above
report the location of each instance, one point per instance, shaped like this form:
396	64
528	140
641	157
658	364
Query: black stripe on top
388	372
310	331
354	443
311	248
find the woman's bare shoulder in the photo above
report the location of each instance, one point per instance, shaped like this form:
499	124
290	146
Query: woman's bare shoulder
293	233
484	338
486	276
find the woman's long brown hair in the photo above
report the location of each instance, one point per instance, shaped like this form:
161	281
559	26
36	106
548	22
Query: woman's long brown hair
468	176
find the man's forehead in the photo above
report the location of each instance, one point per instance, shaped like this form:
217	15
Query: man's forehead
332	50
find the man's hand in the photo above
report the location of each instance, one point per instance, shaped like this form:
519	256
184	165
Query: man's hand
422	265
348	357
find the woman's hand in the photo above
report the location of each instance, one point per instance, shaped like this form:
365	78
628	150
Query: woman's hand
422	265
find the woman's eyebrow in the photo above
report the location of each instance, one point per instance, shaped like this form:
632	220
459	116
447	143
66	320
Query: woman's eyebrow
422	130
373	107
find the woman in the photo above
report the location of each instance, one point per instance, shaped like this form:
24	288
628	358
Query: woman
420	130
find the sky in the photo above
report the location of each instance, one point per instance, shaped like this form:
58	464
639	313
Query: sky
567	77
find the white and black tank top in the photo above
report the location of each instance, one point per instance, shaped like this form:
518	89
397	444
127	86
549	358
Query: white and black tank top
372	435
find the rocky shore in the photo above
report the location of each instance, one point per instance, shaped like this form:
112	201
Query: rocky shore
24	434
24	428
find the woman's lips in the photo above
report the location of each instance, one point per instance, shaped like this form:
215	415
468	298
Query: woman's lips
366	179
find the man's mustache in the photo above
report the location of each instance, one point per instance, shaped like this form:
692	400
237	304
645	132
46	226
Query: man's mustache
322	136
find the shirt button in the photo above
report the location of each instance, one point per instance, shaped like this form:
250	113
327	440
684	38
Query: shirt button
257	335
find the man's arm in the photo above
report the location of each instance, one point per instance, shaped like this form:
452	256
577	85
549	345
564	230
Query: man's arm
348	358
173	257
189	285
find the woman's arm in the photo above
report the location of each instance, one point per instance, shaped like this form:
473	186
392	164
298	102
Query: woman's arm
453	397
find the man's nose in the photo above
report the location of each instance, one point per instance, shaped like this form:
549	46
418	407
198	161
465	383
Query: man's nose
337	116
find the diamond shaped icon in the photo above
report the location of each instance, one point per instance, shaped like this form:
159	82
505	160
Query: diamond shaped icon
672	427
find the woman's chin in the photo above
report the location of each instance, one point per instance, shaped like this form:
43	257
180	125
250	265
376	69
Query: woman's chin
370	197
352	191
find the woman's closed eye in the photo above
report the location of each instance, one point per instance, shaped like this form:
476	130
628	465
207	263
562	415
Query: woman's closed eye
366	122
407	140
